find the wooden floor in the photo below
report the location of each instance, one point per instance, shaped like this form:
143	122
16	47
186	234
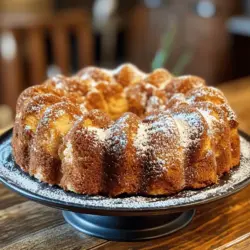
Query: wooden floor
222	225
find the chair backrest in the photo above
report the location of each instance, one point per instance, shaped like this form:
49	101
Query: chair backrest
25	39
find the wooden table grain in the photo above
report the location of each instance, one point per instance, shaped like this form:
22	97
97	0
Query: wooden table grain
222	225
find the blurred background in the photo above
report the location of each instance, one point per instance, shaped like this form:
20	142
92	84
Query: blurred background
41	38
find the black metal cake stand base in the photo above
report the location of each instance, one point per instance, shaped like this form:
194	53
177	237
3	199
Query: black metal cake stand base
129	228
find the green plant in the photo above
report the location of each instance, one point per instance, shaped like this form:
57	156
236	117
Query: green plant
163	54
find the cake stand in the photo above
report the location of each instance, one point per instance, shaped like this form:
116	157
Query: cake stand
125	218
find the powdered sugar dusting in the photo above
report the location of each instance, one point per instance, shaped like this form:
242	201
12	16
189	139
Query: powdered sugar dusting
98	132
190	127
14	176
210	120
183	130
68	153
141	139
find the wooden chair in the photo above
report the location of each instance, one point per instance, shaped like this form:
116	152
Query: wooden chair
24	38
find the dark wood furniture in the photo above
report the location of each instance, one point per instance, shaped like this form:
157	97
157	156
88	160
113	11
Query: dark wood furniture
205	38
224	225
28	36
239	28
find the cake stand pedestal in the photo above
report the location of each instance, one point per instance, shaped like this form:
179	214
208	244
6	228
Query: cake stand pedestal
128	228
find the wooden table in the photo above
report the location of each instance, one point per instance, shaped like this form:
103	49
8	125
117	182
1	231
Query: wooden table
222	225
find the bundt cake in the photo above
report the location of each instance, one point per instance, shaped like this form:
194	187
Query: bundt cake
122	131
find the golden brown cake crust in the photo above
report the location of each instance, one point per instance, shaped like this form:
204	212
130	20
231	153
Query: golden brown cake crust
123	167
123	131
54	124
163	169
25	126
83	170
